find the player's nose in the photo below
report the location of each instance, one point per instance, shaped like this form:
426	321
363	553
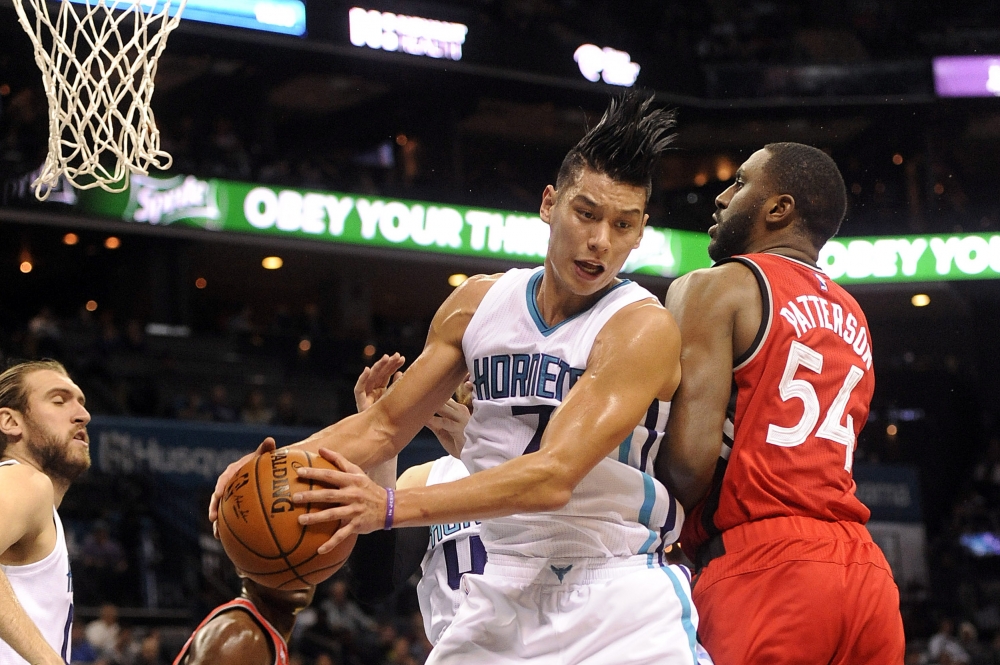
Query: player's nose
82	416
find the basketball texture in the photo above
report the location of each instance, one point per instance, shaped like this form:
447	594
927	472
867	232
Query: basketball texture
259	527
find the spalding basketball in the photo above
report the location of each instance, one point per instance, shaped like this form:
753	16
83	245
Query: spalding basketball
259	526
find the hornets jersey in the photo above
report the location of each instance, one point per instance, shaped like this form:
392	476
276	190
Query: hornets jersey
45	591
522	369
452	551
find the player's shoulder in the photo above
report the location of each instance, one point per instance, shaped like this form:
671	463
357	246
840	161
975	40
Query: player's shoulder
646	316
25	485
722	286
231	637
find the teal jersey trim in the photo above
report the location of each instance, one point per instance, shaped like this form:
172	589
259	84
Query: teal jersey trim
685	602
531	296
646	511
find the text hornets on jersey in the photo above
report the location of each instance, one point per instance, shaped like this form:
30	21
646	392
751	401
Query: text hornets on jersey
523	375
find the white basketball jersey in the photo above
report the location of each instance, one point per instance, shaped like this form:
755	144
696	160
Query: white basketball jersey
452	551
45	591
522	369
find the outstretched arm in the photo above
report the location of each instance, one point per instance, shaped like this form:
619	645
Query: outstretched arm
707	305
370	438
25	503
635	359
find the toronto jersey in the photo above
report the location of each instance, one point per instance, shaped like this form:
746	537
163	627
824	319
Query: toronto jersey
452	551
280	647
801	395
522	369
45	591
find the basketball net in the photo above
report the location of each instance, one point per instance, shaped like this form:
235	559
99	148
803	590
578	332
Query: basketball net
98	63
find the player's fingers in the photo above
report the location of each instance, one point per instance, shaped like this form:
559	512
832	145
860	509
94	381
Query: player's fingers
329	477
341	461
319	496
332	514
336	539
266	446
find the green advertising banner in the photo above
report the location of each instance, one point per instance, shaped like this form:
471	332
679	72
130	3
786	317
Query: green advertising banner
912	258
222	205
355	219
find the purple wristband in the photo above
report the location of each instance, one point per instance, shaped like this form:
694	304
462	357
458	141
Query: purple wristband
390	507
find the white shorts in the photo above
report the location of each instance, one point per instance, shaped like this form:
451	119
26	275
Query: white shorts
564	611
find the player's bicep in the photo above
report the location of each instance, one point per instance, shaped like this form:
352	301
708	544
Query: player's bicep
704	306
633	361
25	504
440	368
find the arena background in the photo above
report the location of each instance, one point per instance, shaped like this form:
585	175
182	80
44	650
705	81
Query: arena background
380	168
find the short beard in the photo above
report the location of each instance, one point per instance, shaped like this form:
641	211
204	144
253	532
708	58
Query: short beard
732	237
54	456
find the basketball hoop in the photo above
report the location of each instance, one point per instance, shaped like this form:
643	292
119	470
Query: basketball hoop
98	61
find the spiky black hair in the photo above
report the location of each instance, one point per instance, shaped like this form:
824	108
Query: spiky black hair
625	145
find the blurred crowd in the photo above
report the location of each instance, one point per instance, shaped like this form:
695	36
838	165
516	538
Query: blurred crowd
334	630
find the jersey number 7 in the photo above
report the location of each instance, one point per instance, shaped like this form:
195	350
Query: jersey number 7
800	355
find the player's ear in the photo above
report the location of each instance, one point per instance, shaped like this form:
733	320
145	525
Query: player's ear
10	422
642	229
549	198
780	210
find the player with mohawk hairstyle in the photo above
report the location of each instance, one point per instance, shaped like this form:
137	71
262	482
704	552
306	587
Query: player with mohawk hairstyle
573	370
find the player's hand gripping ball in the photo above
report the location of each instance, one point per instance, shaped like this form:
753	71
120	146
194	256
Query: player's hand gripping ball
259	525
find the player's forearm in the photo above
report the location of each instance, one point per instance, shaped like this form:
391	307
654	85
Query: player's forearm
19	631
363	439
529	484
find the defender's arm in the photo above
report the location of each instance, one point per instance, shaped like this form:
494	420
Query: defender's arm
706	305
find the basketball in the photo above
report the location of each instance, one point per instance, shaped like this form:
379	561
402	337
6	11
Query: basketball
259	527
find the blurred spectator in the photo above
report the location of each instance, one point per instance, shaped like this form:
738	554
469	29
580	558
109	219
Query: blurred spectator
943	647
149	650
193	407
104	564
109	337
344	617
286	412
219	407
400	654
135	336
968	638
103	632
83	652
44	334
255	411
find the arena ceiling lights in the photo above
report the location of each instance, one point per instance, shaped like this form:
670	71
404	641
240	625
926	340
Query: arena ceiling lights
613	66
967	76
282	16
504	235
408	34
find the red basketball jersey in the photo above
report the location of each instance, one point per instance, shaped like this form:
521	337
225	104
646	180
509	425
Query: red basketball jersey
280	648
801	395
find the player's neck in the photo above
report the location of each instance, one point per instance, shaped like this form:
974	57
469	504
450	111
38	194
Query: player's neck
556	303
789	250
281	618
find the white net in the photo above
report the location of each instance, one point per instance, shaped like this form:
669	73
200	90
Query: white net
98	61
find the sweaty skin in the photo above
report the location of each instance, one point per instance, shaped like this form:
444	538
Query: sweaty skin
595	222
236	638
56	415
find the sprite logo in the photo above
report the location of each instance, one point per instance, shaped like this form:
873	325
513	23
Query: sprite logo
166	200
